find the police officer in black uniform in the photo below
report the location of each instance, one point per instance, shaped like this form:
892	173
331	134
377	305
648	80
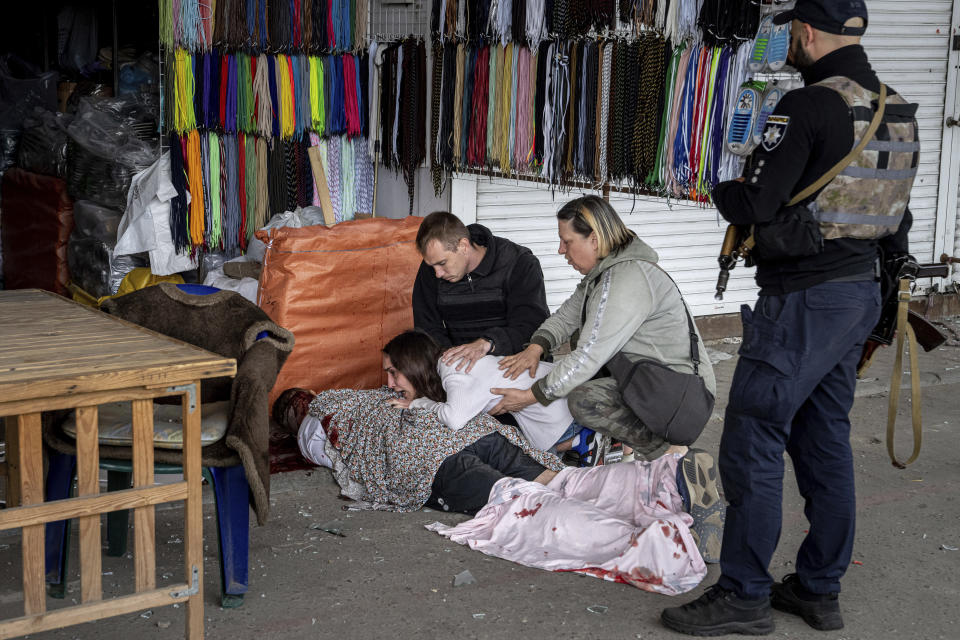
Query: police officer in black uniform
794	383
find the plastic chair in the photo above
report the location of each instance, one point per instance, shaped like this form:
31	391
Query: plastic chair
230	491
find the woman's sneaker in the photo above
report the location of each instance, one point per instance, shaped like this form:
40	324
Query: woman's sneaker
700	491
587	449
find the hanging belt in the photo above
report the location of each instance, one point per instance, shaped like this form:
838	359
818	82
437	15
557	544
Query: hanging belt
904	333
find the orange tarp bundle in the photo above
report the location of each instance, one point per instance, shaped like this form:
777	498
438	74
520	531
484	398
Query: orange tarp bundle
343	291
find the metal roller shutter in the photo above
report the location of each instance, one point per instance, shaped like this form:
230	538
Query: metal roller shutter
909	44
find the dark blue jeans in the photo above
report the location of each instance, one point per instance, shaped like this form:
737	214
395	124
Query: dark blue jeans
792	391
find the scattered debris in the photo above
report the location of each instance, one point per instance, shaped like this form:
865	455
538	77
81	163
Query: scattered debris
147	614
717	356
858	562
463	578
108	573
732	340
163	624
597	608
947	547
479	616
334	527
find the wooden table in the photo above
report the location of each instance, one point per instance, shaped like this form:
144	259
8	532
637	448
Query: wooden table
57	354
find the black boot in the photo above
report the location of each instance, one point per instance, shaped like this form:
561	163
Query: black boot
718	612
820	611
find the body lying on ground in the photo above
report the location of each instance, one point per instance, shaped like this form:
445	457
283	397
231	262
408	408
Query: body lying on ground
626	524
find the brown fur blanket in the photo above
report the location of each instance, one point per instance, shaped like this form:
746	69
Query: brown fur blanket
227	324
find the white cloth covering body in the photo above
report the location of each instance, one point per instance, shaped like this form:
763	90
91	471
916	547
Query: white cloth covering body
469	394
313	442
621	522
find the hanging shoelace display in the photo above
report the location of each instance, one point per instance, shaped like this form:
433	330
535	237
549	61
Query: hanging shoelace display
436	79
253	85
634	93
403	120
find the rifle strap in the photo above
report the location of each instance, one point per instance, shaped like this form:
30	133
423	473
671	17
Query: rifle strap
905	333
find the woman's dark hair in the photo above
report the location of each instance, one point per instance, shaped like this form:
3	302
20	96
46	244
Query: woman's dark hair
592	214
415	355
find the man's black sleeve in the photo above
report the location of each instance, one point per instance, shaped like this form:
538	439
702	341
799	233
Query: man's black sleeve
526	307
426	315
898	243
772	173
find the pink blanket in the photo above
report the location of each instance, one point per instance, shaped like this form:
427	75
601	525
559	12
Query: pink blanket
621	522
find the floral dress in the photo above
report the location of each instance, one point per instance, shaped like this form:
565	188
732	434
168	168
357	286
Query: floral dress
385	458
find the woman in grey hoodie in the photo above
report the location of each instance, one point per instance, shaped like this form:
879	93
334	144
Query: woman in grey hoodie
625	303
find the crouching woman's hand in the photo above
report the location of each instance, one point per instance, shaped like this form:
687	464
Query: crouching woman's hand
513	400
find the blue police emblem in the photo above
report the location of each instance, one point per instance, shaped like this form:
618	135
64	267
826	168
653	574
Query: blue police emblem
774	132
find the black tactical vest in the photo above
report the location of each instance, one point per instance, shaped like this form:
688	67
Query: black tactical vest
476	303
869	197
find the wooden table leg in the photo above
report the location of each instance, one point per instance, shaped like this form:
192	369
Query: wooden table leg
13	463
193	509
88	484
30	459
144	528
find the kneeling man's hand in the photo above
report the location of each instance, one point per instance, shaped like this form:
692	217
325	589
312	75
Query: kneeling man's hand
467	354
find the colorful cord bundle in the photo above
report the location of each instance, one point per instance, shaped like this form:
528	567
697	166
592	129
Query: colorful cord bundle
403	108
645	108
261	26
244	123
269	95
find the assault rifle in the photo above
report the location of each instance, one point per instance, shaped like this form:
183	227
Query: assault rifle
737	243
894	270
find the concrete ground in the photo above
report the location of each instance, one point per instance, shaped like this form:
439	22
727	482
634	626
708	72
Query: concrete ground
388	577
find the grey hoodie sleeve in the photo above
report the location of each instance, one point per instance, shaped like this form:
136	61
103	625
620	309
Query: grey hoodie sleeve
616	307
560	326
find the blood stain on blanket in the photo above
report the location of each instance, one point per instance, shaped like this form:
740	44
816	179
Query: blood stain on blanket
678	540
523	513
639	575
666	530
332	433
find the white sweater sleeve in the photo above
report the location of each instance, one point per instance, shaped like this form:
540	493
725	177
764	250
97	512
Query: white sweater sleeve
467	395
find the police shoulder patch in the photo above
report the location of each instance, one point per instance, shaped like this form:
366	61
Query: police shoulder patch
774	132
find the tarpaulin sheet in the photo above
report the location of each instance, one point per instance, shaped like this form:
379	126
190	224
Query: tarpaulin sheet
343	291
37	221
